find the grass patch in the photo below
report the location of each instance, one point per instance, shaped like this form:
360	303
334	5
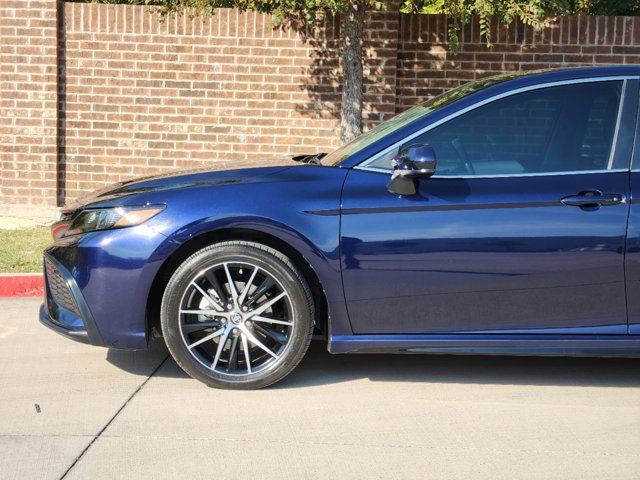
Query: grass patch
21	250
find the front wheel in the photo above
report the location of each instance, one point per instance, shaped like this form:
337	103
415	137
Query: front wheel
237	315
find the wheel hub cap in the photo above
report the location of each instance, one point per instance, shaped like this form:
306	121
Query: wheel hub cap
236	318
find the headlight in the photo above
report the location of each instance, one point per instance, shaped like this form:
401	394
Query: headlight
105	219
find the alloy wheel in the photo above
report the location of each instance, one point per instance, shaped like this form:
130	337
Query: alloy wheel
236	318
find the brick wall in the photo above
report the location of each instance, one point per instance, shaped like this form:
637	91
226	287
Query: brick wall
426	67
28	93
137	96
144	96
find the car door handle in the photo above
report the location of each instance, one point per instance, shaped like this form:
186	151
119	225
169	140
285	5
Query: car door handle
593	199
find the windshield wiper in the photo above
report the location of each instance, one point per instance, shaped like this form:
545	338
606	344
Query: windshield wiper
313	159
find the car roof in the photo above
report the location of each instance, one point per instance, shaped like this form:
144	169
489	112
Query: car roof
510	81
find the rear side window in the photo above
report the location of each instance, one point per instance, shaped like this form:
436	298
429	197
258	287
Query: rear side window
555	129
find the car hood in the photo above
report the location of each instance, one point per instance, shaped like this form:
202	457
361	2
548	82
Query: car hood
197	177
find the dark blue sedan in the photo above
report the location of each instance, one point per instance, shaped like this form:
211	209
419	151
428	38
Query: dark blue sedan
497	218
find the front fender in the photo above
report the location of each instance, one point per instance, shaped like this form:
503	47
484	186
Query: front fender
301	208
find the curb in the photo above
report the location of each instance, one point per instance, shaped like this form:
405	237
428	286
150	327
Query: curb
21	285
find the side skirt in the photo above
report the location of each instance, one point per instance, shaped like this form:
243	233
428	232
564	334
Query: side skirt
481	344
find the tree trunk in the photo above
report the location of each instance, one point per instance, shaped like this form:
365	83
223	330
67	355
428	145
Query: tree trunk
351	107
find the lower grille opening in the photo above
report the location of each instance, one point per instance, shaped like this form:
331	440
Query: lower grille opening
58	289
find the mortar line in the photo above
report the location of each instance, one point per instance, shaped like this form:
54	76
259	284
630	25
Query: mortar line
135	392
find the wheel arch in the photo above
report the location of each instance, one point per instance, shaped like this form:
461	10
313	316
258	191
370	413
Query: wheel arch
204	239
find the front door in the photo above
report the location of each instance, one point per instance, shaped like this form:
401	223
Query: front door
522	229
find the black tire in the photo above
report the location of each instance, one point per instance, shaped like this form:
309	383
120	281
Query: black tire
300	307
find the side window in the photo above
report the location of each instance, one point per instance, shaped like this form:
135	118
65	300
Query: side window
554	129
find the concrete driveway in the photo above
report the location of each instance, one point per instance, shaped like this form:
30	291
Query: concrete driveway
79	412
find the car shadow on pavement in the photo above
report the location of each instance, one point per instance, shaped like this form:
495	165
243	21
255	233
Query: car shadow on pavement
320	368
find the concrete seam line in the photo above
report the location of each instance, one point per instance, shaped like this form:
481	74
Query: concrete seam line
135	392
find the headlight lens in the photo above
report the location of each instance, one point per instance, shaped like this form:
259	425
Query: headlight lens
106	219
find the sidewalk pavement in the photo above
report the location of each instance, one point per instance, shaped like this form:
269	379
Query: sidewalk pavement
13	217
82	412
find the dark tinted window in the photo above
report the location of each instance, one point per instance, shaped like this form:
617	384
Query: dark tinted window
554	129
411	115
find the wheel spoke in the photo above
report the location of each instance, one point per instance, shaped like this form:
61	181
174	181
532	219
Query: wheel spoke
269	332
215	334
258	318
245	348
207	297
247	286
232	285
252	338
221	344
262	308
200	312
233	355
213	280
194	327
266	284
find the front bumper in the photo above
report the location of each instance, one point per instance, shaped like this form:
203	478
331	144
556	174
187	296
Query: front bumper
65	311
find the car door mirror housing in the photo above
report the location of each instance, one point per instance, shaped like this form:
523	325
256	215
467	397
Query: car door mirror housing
411	163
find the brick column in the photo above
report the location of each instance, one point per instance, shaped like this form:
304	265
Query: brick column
28	101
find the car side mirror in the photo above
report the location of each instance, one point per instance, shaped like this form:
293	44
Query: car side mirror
411	163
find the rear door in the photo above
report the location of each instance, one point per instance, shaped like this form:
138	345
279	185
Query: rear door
522	230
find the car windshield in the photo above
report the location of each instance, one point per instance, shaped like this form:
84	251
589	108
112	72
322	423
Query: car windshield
407	117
